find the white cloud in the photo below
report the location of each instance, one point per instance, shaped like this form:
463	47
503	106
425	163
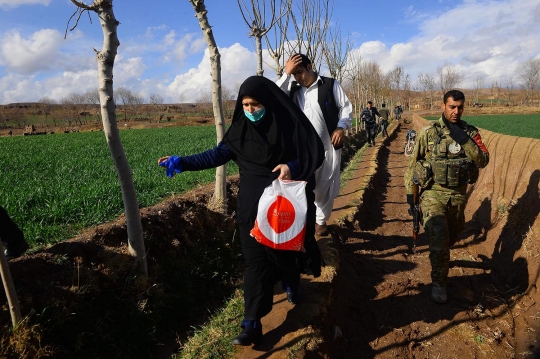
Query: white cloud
183	47
164	45
68	82
128	71
488	37
21	88
16	88
36	53
15	3
237	63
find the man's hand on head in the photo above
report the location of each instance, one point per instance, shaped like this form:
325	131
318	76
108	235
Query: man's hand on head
292	64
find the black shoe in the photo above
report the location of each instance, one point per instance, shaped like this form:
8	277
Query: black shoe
293	298
14	251
248	336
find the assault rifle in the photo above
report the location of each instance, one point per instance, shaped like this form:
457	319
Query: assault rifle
416	213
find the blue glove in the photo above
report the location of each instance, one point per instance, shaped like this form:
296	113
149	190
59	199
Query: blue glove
172	165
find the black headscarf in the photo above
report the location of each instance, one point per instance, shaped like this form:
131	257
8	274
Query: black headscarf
283	134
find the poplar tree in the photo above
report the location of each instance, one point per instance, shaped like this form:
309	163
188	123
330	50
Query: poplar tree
219	200
105	59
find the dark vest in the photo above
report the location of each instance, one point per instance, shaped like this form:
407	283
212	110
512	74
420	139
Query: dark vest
326	100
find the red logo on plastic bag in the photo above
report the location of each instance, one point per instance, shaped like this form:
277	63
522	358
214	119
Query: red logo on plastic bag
281	214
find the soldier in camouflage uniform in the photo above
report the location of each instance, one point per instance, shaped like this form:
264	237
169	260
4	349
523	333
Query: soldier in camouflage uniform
446	157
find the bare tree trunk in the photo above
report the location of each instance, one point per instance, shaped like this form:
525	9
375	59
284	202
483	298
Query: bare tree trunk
105	59
258	48
276	49
219	201
11	294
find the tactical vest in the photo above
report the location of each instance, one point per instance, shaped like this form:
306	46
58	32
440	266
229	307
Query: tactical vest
326	101
446	162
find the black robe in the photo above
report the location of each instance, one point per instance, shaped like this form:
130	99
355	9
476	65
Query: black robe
282	135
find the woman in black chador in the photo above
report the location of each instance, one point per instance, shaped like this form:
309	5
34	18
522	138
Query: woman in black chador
269	138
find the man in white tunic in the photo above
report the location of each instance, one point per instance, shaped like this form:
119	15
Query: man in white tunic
325	104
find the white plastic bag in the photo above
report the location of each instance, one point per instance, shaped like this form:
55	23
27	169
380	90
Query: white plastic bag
281	216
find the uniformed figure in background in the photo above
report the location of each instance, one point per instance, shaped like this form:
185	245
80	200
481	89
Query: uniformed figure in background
445	159
385	115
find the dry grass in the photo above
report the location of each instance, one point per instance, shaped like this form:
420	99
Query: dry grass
530	244
24	342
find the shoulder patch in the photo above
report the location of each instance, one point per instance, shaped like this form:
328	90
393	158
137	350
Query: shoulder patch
472	130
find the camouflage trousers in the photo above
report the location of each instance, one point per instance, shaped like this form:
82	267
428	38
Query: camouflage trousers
443	220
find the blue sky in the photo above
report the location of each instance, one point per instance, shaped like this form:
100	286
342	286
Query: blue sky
162	49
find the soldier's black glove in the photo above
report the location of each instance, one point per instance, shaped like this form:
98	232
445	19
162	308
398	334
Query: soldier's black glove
456	133
410	201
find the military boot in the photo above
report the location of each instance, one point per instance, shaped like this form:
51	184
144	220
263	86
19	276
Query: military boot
438	293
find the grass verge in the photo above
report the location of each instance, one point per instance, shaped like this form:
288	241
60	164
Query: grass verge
213	340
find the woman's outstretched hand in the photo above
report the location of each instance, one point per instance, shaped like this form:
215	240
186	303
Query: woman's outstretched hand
162	159
172	165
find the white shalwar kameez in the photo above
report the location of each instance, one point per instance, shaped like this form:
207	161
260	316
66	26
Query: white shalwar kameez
327	177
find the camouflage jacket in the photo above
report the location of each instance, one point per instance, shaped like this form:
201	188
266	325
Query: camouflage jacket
473	149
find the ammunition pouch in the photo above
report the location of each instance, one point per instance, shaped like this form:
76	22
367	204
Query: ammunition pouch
454	172
423	174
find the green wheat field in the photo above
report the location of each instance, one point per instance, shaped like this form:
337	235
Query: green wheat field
514	125
55	185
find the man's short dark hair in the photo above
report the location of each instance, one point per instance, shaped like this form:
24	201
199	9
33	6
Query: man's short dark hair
370	102
383	105
455	94
304	61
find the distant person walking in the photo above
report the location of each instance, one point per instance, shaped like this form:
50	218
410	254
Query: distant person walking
397	113
445	159
370	121
325	104
385	114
